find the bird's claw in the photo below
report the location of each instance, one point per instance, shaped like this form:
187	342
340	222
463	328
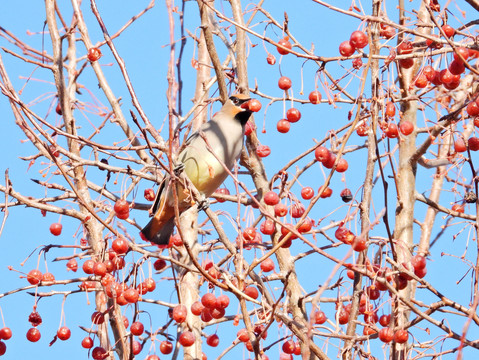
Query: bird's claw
178	168
203	204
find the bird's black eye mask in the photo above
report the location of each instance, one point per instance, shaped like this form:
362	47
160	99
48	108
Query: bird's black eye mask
237	101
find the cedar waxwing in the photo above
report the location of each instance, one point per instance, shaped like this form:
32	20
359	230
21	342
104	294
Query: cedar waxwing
224	135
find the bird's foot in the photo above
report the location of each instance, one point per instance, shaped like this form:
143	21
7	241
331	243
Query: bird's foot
203	204
178	168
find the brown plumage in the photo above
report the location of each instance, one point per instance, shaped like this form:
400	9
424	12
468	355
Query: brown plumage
224	134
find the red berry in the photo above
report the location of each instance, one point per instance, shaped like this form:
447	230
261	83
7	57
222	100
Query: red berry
252	292
391	130
280	210
387	31
209	300
305	226
254	105
120	246
218	313
136	348
460	145
421	81
406	63
384	320
35	319
307	193
56	229
319	317
344	234
121	207
362	129
418	262
358	39
386	334
359	244
267	265
242	335
33	334
406	127
420	273
401	336
99	353
464	52
326	193
472	108
64	333
429	72
87	342
293	115
284	83
222	301
271	59
373	292
322	154
206	315
284	42
137	328
271	198
97	318
473	143
446	76
5	333
94	54
263	151
315	97
222	191
288	347
179	313
390	109
283	126
99	269
149	194
342	165
166	347
404	47
187	338
213	340
297	210
448	30
131	295
159	264
346	195
357	63
456	67
343	316
329	162
197	307
34	277
267	227
72	265
88	267
150	284
346	48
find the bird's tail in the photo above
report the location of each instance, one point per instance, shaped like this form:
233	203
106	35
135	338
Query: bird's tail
161	236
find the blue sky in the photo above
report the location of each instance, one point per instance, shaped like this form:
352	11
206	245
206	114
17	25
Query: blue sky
144	47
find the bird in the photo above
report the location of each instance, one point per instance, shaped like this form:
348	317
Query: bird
224	135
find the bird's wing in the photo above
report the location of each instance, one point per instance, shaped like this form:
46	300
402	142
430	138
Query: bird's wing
161	191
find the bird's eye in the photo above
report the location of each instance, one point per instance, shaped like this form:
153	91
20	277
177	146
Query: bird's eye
235	100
